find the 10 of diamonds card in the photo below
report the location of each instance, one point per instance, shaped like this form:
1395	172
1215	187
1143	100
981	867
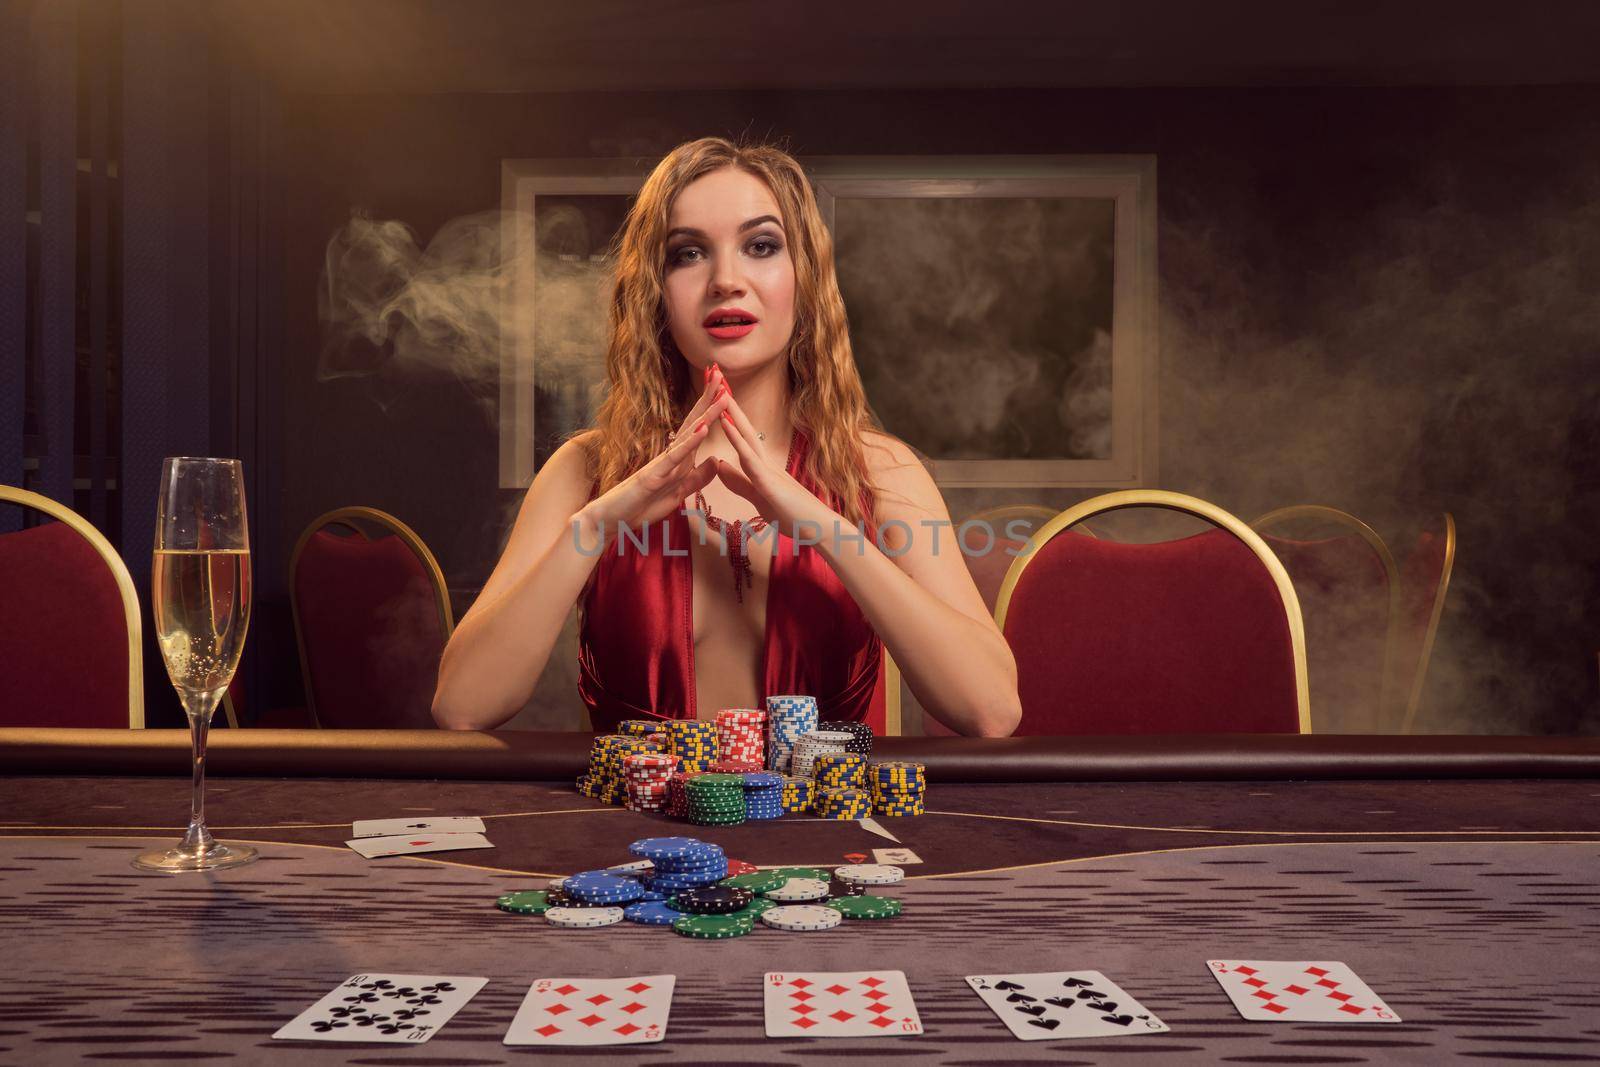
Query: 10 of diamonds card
840	1004
1299	991
1054	1004
402	1009
594	1011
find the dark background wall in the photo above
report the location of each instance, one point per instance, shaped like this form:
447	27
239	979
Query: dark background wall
1379	266
1379	299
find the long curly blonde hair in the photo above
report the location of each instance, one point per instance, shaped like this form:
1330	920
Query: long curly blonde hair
650	391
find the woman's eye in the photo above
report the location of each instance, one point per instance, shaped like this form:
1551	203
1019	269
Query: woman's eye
766	242
677	256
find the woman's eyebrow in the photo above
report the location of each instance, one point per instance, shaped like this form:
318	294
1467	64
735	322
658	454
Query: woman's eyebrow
690	231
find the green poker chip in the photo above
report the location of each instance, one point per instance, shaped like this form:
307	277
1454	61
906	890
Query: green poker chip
754	909
757	881
532	902
866	907
713	927
815	873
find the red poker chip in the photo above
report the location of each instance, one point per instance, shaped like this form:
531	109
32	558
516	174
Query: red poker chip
740	867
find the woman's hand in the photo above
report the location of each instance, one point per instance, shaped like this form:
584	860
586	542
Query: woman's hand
778	495
659	488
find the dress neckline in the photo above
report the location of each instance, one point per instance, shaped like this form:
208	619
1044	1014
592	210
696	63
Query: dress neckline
693	681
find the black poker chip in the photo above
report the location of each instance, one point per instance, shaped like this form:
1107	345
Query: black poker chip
838	887
860	734
560	898
714	900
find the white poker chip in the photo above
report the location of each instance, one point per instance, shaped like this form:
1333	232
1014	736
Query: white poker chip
583	918
555	883
796	890
801	917
870	874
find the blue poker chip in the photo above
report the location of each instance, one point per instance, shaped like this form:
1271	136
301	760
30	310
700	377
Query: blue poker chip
651	913
762	779
656	849
596	888
652	894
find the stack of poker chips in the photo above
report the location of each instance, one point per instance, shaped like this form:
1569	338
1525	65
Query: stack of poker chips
741	735
605	780
798	793
898	788
679	864
715	799
763	795
694	743
638	727
648	774
860	731
788	717
843	803
814	744
839	770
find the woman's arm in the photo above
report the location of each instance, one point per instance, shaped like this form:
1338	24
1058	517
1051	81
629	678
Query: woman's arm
493	660
923	602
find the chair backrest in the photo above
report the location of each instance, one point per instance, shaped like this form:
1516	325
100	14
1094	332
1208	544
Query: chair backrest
371	616
1197	635
70	633
1349	590
1425	580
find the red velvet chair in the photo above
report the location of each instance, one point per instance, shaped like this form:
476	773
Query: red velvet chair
1424	582
371	616
1197	635
1349	590
69	624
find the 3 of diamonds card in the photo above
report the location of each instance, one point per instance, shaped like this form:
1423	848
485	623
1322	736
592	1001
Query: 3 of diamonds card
1300	991
840	1004
397	1008
594	1011
1039	1007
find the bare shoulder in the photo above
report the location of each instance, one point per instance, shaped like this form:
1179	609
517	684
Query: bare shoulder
900	473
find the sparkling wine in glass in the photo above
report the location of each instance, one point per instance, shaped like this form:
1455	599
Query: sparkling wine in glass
201	599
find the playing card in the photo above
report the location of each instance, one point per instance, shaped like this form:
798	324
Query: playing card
467	824
402	1009
373	847
896	856
1299	991
840	1004
1039	1007
593	1011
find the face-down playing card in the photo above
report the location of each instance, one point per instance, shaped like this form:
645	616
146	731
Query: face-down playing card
423	824
398	1008
840	1004
1056	1004
593	1011
1299	991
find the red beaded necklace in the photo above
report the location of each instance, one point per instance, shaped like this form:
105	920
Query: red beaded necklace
739	530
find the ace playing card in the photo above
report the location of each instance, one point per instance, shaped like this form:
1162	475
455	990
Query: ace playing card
1299	991
840	1004
593	1011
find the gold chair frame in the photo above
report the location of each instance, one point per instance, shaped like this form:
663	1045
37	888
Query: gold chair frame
347	516
1414	700
1387	701
1162	498
119	572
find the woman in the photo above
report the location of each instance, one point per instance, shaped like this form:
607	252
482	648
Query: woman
732	391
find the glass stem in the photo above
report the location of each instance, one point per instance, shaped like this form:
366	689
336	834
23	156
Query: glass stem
200	706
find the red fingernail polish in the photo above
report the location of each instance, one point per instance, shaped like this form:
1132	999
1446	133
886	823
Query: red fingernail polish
699	426
708	374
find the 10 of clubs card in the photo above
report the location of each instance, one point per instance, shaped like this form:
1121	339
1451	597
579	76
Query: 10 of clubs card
1317	991
840	1004
1039	1007
404	1009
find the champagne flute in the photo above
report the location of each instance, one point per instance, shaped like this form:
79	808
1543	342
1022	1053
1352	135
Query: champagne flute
201	599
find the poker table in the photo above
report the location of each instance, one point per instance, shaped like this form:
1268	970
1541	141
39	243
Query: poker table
1459	876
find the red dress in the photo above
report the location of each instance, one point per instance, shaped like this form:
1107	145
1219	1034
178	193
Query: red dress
636	637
